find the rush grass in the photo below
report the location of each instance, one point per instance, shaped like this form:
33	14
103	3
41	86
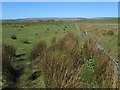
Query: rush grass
66	64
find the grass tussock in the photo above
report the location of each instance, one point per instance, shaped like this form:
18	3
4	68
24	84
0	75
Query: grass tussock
103	66
8	56
38	50
64	64
59	72
67	64
10	69
9	52
104	71
89	49
59	63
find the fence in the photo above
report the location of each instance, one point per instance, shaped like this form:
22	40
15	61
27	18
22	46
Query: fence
107	68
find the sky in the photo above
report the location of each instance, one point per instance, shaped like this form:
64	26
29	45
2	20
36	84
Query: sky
15	10
60	0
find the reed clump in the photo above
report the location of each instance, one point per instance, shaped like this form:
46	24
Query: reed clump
60	66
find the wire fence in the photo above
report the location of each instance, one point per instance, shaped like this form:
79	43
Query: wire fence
108	70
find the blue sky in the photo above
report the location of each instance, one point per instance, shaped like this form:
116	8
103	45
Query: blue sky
14	10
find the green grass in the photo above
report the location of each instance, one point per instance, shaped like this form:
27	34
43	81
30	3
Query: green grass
35	31
29	33
32	33
108	25
112	45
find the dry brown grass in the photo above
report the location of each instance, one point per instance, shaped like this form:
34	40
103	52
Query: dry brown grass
62	64
104	66
8	56
60	67
100	34
38	50
89	49
59	72
104	71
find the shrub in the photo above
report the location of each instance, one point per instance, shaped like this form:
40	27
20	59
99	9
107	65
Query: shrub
13	37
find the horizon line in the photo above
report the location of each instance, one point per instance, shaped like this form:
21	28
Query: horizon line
59	17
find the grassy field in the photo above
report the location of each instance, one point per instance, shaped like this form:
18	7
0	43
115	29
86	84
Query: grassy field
105	32
59	42
25	35
32	32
